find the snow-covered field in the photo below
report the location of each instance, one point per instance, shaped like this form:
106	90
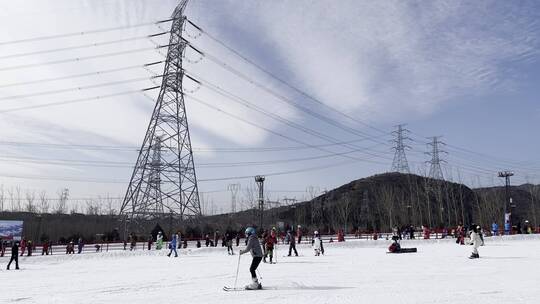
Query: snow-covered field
350	272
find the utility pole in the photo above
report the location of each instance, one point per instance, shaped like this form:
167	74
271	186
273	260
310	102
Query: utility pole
233	188
400	164
435	171
508	204
260	184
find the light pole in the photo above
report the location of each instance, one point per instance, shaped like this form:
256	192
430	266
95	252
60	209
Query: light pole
260	184
508	205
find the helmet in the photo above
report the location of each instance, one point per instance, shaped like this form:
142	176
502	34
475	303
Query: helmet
316	232
249	231
274	228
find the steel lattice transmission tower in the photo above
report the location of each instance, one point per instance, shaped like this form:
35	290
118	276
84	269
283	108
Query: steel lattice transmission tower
435	171
233	188
164	183
400	164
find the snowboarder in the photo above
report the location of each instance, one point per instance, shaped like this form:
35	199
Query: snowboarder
159	241
172	246
254	247
269	242
476	241
292	243
317	243
14	255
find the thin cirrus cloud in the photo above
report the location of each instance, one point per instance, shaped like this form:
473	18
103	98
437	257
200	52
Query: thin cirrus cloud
376	60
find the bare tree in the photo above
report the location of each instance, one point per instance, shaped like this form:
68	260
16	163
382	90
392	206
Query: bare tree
343	210
18	198
92	207
44	202
30	198
63	196
2	197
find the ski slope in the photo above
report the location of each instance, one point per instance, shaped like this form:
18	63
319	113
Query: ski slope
350	272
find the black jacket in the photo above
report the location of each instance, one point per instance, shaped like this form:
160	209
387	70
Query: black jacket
15	249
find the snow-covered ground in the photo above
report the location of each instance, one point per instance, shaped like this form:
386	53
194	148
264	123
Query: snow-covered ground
350	272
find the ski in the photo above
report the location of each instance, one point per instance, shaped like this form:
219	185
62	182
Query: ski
226	288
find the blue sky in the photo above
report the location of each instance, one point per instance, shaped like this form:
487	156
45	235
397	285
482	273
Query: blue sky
468	71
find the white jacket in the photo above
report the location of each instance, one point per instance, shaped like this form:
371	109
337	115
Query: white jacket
316	243
475	239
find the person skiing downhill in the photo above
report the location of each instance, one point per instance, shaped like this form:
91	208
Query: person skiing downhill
476	241
254	247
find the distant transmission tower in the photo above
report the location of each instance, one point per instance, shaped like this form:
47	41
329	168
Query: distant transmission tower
233	188
435	171
400	164
163	183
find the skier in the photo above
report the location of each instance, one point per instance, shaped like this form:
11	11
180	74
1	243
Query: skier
270	241
133	242
317	243
23	246
229	244
507	228
159	241
254	247
237	239
2	247
494	229
14	255
150	241
30	247
172	246
476	241
292	243
80	245
299	234
45	248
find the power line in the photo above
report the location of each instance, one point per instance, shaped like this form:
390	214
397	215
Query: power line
77	100
80	33
259	126
277	117
80	88
100	72
282	98
78	59
284	82
95	44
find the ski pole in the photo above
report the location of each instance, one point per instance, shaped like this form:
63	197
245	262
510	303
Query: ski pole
237	269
